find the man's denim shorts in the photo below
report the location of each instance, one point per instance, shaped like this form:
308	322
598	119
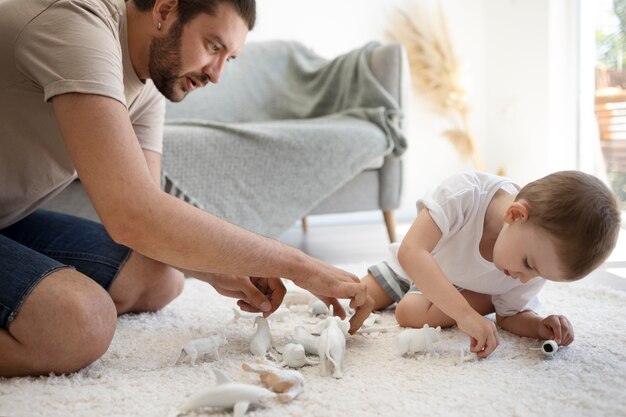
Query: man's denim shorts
46	241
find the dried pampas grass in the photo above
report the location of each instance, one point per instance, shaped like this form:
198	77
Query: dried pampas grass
435	68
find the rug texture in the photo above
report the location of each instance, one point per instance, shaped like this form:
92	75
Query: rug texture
136	377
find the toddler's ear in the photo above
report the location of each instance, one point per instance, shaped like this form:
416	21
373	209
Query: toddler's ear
517	210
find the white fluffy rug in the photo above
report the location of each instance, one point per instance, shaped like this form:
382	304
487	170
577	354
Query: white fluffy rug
136	377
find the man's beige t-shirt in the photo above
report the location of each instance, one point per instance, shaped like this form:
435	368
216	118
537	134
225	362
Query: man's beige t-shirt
52	47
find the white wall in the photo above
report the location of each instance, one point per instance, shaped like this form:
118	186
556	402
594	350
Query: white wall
518	65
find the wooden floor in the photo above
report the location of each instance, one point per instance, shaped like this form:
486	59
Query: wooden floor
367	243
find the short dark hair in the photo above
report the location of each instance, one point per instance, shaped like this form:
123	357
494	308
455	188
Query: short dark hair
188	9
580	213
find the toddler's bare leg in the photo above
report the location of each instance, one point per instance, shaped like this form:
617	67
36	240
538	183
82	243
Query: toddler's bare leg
380	296
415	310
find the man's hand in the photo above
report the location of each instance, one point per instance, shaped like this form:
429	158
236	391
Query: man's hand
329	283
482	332
255	294
557	328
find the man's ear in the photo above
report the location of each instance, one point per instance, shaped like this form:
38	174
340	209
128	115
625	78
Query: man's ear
162	10
517	210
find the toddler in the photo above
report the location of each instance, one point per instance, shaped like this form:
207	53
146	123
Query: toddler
481	245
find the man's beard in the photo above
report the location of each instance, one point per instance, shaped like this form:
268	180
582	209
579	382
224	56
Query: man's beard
164	62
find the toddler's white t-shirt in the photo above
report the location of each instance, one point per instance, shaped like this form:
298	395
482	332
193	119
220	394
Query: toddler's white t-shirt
458	206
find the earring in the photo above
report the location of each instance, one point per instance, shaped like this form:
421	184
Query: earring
158	25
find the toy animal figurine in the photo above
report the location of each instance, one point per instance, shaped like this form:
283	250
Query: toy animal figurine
332	345
197	347
262	340
238	314
304	338
279	314
287	382
318	308
417	340
228	394
376	329
294	356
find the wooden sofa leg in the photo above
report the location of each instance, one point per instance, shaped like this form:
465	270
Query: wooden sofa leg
305	226
390	222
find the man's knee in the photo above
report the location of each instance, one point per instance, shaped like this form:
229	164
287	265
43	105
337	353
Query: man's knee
66	323
90	329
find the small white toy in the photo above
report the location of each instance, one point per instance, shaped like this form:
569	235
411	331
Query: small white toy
548	348
228	394
262	340
294	356
304	338
345	303
202	347
376	329
318	308
417	340
465	355
240	314
287	382
371	320
332	345
279	314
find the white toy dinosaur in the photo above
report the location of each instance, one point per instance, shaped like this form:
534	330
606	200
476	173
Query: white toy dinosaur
288	382
201	347
262	340
228	394
332	345
294	356
417	340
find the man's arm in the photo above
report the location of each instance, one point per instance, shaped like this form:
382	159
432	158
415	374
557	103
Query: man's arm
416	259
102	145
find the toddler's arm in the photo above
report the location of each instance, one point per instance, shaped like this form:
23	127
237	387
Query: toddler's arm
528	324
416	259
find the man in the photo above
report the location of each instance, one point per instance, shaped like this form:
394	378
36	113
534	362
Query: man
78	96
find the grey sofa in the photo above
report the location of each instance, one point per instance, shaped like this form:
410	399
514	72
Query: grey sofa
192	149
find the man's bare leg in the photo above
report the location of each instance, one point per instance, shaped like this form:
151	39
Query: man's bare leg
415	310
65	323
144	285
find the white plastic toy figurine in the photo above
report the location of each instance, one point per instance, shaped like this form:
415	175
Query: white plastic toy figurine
548	348
294	356
332	345
279	314
262	340
417	340
228	394
304	338
239	314
318	308
287	382
202	347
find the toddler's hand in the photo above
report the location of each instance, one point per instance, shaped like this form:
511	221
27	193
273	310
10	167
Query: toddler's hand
482	332
557	328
